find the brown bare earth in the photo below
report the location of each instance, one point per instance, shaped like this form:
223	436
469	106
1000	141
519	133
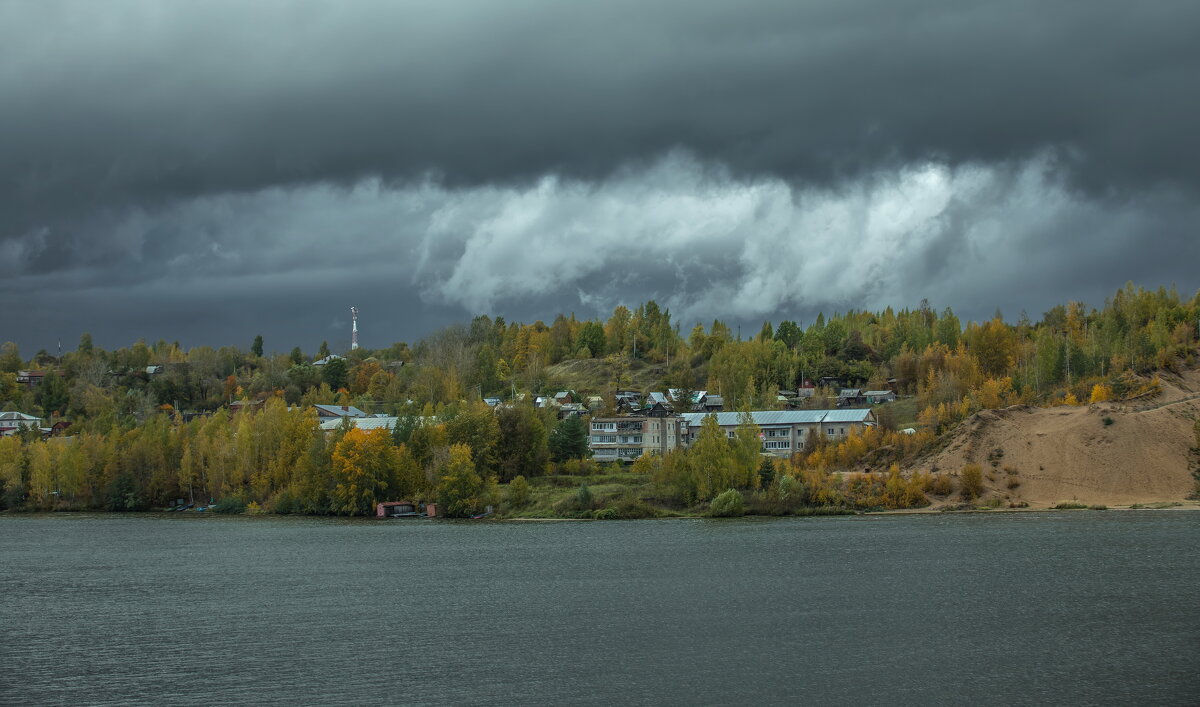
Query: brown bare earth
1047	456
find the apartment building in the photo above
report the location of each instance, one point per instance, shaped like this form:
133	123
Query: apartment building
627	438
786	431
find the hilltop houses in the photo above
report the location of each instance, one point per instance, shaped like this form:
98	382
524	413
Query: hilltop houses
13	422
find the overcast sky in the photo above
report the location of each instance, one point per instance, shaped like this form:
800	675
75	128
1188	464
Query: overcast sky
208	171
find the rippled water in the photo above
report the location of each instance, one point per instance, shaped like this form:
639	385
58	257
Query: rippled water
1030	608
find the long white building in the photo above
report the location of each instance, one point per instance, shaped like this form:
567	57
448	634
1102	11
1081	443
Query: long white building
786	431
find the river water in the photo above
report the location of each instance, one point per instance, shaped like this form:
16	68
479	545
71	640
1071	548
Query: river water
1029	608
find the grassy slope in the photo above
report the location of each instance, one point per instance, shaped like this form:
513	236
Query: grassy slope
593	375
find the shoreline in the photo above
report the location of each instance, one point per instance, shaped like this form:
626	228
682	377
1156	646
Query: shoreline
1189	505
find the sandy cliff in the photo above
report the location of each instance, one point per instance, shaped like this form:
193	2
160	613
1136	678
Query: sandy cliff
1045	456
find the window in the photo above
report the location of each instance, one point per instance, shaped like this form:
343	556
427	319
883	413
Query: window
604	439
830	430
777	444
842	430
631	439
604	426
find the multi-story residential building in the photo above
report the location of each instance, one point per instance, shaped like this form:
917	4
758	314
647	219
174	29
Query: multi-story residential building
627	438
784	432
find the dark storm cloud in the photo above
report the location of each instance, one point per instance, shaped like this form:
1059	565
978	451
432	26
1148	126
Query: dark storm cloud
454	154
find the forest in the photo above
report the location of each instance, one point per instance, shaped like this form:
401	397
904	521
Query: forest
152	423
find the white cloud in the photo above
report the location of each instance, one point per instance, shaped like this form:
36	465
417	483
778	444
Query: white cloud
704	242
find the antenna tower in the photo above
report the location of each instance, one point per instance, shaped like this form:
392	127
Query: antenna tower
353	328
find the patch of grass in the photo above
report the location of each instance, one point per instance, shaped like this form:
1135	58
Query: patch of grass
1013	483
1018	504
1098	507
1070	506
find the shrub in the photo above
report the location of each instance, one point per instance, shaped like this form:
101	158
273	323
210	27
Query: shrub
729	504
971	481
123	495
630	506
1098	507
606	514
1069	506
230	504
518	492
940	485
583	498
285	502
1108	421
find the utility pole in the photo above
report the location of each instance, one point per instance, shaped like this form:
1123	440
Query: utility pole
1067	349
353	328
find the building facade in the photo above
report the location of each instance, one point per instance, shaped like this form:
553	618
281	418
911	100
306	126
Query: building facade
627	438
785	432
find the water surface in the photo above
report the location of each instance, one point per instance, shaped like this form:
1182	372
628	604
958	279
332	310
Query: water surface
1030	608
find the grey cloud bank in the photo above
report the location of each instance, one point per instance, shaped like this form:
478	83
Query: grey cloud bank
226	168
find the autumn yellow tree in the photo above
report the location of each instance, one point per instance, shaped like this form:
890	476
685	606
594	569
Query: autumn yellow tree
365	466
1101	393
461	491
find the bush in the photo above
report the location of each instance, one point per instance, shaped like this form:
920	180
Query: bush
583	498
231	505
13	496
1098	507
518	492
971	480
285	503
940	485
729	504
606	514
1108	421
122	495
1069	506
630	506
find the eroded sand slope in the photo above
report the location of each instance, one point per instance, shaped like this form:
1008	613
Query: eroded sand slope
1045	456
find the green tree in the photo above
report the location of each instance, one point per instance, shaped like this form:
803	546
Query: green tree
522	447
592	337
52	394
335	373
476	426
10	357
85	343
296	356
257	347
569	440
